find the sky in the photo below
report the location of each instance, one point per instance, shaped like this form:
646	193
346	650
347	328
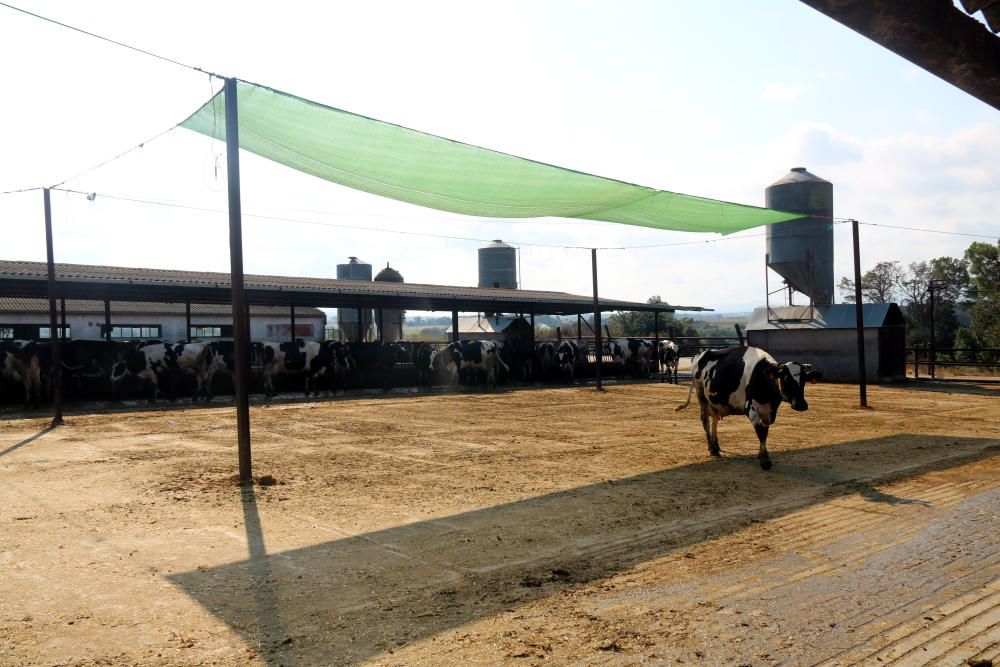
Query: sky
711	99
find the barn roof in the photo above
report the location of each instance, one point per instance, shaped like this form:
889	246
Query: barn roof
837	316
116	283
31	306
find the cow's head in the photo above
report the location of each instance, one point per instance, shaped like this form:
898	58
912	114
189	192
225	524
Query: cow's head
792	377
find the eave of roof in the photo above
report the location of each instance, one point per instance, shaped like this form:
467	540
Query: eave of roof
83	281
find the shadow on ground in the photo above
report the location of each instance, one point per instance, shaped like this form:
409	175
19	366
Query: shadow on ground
349	599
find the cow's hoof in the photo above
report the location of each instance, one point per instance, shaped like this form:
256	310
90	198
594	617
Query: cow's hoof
714	452
765	464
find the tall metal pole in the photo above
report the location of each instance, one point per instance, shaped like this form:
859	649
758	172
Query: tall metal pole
240	319
598	345
454	326
57	418
291	314
859	318
62	320
187	319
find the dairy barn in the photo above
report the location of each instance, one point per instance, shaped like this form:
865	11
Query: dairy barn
540	522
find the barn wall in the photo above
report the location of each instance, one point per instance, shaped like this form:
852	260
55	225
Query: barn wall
833	351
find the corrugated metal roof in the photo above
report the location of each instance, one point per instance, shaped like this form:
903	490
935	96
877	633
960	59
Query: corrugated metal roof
837	316
85	306
19	278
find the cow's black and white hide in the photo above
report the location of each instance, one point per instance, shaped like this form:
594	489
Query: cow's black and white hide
473	358
22	362
569	354
424	358
313	360
153	361
746	380
91	360
668	357
634	354
390	356
545	357
519	355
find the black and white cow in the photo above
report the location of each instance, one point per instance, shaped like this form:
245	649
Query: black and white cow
568	354
91	359
634	353
151	361
310	359
519	355
473	357
746	380
669	356
22	363
545	358
424	358
391	355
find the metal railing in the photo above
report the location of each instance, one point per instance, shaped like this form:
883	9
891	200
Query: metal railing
926	361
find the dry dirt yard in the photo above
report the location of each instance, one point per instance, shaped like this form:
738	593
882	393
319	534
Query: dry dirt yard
550	526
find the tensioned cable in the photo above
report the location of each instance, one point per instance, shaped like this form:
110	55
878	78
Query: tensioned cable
116	157
931	231
111	41
14	192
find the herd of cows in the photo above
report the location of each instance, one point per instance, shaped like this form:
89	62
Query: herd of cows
329	365
730	381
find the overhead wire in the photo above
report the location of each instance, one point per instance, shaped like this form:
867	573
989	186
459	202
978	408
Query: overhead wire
116	157
111	41
931	231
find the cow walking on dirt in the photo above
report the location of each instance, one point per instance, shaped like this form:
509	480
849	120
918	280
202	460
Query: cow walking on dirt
746	380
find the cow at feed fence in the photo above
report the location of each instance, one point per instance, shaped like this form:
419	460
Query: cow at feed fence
22	362
150	361
746	380
569	353
310	359
545	358
424	359
669	356
473	357
633	353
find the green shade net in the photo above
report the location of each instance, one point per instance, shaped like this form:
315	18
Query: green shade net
423	169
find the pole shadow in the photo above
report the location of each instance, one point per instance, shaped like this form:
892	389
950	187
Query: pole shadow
26	441
344	601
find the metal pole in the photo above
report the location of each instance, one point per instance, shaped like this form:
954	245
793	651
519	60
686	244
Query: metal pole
240	319
57	418
187	318
859	318
656	342
361	325
107	320
454	326
579	326
62	320
532	316
933	354
739	335
292	314
598	346
381	325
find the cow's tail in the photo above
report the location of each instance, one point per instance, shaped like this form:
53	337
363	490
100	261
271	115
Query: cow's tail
688	401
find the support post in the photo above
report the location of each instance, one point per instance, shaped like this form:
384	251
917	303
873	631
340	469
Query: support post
107	320
454	326
381	325
579	326
361	325
598	346
933	353
62	320
739	335
241	323
859	318
532	316
291	313
187	320
656	341
57	402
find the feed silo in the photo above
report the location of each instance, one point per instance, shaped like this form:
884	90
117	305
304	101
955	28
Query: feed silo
347	318
498	265
391	324
801	251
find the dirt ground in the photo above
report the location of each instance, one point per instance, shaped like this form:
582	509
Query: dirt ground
548	526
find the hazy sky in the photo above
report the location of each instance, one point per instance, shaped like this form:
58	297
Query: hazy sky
713	99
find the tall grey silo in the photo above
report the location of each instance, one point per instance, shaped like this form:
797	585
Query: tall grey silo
801	251
498	265
392	318
347	318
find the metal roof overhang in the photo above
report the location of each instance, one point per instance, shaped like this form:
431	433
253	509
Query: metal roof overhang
82	281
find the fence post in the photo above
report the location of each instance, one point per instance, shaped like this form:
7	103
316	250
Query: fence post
859	318
598	347
57	398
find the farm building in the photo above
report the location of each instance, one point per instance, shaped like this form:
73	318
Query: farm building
85	320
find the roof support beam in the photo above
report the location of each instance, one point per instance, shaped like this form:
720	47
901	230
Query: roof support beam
932	34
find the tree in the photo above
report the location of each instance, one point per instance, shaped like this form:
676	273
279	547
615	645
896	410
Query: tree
879	285
631	323
984	276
